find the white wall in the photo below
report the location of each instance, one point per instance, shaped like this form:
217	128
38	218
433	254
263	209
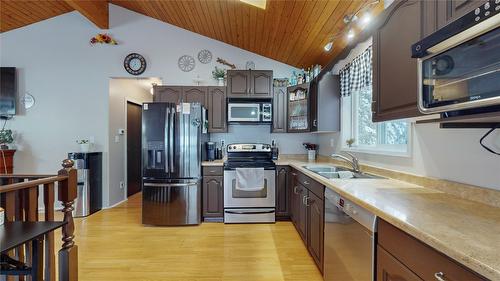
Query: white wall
122	90
70	79
287	143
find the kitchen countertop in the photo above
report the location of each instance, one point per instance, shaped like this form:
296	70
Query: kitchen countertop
466	231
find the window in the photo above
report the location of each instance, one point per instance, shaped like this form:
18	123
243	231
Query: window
390	137
381	138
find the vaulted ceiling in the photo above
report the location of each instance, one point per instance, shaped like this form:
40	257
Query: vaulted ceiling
293	32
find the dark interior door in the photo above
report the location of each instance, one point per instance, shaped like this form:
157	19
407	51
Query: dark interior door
134	127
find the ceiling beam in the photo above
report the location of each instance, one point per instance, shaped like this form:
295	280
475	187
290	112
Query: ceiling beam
95	11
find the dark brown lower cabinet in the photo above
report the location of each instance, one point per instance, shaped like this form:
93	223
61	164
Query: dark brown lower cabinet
282	193
213	198
423	261
307	213
315	224
390	269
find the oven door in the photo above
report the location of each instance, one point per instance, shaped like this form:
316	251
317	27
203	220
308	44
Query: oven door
235	198
463	71
243	112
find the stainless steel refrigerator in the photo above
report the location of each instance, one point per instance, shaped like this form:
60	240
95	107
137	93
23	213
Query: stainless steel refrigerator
172	150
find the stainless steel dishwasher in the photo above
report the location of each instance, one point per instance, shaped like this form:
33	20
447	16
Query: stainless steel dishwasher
349	240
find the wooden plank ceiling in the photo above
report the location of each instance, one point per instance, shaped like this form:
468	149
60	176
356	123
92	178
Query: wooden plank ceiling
290	31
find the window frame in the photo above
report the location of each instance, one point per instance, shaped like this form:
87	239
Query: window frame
351	126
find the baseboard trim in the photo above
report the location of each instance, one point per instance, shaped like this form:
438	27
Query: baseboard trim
213	219
114	205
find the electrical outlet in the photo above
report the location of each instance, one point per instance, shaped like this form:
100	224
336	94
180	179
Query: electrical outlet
332	143
117	139
92	139
122	185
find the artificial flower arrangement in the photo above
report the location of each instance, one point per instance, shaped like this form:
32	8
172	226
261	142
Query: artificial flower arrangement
103	38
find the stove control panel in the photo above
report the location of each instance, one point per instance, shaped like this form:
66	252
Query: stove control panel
249	147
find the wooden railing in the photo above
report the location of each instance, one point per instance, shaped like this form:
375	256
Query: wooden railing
19	197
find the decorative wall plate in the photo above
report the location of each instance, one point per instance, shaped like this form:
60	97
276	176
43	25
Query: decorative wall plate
250	65
134	64
186	63
205	56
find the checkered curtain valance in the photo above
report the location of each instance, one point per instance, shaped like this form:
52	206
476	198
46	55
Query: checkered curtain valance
356	74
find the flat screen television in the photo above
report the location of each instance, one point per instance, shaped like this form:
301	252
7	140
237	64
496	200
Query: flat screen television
8	91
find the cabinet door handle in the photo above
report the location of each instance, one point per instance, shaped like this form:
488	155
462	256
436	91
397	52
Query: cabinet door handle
439	276
295	190
315	123
294	174
306	201
306	182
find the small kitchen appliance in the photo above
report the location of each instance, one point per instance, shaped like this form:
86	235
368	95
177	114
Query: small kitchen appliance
459	65
211	151
248	111
249	204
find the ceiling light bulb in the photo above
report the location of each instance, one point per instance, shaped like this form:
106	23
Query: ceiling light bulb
328	46
350	34
366	19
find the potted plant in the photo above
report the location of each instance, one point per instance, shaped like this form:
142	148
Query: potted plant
6	138
219	74
84	145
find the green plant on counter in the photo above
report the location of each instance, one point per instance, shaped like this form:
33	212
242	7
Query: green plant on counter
82	141
218	73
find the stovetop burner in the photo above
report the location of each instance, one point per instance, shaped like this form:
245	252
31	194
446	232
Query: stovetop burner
249	155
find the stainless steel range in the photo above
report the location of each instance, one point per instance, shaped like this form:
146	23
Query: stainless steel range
249	184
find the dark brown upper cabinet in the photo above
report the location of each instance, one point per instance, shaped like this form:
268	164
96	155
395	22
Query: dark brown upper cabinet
394	71
261	83
249	83
217	113
171	94
279	110
194	94
212	98
314	106
238	83
298	108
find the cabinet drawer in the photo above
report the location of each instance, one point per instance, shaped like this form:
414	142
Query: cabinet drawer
419	257
213	171
311	184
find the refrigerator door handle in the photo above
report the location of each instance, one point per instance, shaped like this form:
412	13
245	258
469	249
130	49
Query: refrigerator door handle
171	140
170	184
167	139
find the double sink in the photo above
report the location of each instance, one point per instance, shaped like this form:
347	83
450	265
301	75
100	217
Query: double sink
330	172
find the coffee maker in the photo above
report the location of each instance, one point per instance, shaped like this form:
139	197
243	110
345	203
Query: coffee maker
211	151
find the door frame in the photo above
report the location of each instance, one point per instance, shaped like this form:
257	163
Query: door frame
125	163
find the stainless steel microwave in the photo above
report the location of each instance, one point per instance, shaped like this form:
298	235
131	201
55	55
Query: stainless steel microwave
252	112
459	65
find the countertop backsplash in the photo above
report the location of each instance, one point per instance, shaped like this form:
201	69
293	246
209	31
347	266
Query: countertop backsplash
287	143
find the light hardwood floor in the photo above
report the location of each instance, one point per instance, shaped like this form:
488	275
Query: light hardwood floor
114	245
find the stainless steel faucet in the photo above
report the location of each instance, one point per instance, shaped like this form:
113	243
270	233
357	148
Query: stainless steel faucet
354	161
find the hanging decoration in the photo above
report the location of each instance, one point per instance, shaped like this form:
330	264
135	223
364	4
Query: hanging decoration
205	56
103	38
186	63
225	62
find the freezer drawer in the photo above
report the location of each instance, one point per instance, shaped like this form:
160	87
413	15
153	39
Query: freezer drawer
171	203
